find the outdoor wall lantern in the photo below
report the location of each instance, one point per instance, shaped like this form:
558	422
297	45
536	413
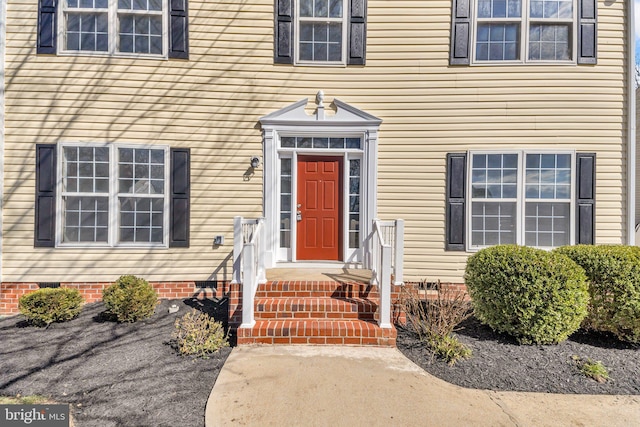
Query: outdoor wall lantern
255	161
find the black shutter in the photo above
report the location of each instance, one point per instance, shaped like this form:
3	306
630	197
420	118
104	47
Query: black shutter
357	32
455	203
283	32
585	192
46	27
178	29
45	215
587	31
180	192
459	52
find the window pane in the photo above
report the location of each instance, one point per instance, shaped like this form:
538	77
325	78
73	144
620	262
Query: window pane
85	219
306	8
547	224
498	42
140	34
548	176
86	31
147	215
549	42
493	223
145	166
499	8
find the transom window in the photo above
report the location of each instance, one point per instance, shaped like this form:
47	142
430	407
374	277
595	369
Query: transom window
114	26
524	30
113	195
326	143
521	198
321	31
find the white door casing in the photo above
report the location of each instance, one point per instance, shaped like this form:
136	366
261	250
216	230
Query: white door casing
294	121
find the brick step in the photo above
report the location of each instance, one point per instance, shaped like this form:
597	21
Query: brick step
306	289
316	331
315	307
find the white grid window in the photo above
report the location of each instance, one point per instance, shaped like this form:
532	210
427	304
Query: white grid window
547	200
321	143
285	203
141	173
112	196
354	203
114	26
85	194
521	198
321	31
524	30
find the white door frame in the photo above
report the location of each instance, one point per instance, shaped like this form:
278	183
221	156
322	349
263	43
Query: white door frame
294	121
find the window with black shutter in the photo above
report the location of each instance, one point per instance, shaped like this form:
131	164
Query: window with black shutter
320	32
139	28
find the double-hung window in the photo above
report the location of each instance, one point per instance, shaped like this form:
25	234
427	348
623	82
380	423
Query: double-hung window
113	195
114	26
520	198
321	30
524	30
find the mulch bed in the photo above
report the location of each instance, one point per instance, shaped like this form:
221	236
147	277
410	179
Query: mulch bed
112	374
499	363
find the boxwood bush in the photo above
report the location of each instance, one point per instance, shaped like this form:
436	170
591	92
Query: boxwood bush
199	334
130	299
538	297
614	287
49	305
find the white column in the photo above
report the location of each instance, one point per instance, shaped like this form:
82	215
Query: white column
385	288
398	273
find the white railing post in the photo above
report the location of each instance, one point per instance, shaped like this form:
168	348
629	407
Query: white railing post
248	286
237	249
262	249
385	287
375	261
398	273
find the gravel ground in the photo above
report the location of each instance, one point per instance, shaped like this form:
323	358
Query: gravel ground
112	374
499	363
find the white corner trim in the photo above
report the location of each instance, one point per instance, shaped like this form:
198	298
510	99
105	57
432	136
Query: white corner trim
631	126
3	44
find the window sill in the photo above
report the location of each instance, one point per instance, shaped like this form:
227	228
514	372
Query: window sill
112	55
521	63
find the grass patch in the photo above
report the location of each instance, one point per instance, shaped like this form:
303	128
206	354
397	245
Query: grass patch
592	369
24	400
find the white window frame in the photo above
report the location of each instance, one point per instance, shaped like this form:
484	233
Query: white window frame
525	21
345	28
113	26
113	196
521	198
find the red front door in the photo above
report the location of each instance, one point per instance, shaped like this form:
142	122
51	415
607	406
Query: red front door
319	224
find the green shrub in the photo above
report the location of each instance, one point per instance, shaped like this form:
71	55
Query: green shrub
614	287
533	295
594	370
130	299
199	334
49	305
448	347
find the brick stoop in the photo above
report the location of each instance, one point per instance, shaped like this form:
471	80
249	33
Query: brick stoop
317	312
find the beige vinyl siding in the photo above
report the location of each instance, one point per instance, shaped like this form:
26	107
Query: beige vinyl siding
212	102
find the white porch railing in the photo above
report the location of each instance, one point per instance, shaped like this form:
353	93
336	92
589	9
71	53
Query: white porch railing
248	263
387	252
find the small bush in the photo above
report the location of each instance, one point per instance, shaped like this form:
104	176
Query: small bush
614	287
533	295
49	305
130	299
594	370
434	320
438	316
199	334
448	348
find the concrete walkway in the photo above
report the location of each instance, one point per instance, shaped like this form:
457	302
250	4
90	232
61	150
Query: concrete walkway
369	386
